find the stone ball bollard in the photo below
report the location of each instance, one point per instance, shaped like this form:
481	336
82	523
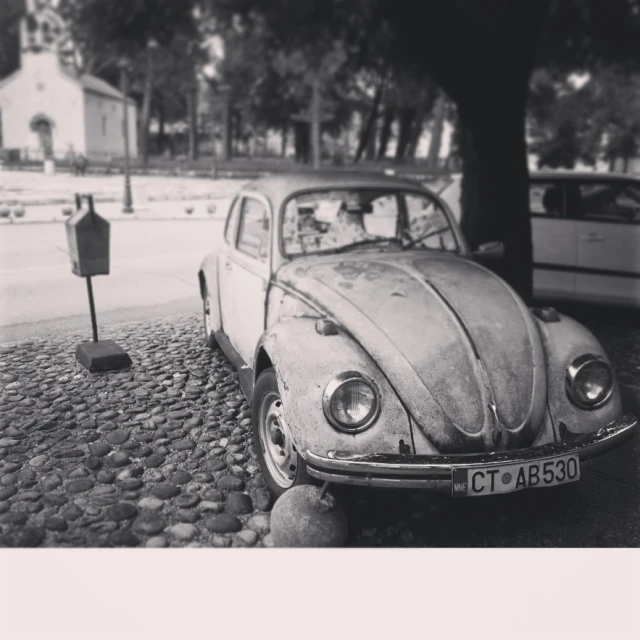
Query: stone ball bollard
188	210
303	517
19	212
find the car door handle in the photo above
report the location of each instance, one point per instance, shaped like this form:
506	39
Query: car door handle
592	237
227	265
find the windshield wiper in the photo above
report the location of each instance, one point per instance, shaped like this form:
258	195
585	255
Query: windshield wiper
361	243
424	237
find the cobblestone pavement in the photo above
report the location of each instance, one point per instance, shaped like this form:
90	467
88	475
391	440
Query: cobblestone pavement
161	455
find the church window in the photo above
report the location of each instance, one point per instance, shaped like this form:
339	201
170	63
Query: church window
104	125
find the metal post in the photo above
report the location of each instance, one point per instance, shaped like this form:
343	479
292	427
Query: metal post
92	309
227	135
127	205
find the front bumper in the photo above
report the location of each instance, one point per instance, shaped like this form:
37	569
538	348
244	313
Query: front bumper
435	471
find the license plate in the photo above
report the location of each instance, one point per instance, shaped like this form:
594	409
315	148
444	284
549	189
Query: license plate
505	478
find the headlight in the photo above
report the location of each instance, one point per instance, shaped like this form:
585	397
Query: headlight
351	402
589	381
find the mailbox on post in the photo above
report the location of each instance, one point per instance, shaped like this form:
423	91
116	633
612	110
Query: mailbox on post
88	240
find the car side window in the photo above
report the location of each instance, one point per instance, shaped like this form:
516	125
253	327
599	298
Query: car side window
232	221
253	236
546	199
610	202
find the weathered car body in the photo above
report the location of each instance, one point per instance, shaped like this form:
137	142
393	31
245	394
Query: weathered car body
466	377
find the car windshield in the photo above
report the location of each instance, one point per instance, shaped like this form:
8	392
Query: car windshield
341	220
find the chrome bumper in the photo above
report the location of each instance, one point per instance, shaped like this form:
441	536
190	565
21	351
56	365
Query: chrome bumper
435	471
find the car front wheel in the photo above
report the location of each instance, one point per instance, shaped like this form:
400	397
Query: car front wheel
278	457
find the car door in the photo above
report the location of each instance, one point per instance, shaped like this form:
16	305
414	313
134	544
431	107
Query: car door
247	271
225	265
554	240
607	215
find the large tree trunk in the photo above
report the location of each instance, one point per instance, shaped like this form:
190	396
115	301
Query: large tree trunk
367	132
146	107
436	132
316	114
407	116
488	81
385	131
283	141
495	186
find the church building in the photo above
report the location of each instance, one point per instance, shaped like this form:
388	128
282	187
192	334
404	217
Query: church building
47	110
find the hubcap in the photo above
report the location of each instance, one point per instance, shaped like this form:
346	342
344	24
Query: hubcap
275	440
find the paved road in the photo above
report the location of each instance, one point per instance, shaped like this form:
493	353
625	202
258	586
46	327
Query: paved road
153	271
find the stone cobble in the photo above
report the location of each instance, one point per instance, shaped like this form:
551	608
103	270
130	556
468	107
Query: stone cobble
157	455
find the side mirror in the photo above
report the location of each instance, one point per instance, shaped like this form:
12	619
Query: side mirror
489	251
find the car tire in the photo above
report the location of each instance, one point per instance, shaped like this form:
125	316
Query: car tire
206	312
281	465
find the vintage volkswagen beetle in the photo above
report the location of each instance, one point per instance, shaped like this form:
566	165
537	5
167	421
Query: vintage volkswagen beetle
375	349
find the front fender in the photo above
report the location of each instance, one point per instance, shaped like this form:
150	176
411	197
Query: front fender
563	342
305	362
208	277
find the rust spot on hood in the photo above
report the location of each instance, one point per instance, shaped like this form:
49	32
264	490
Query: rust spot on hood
353	270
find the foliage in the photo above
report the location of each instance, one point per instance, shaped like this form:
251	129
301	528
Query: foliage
596	120
10	14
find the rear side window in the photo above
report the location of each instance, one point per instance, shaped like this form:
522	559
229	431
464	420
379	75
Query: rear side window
610	202
253	236
232	221
546	199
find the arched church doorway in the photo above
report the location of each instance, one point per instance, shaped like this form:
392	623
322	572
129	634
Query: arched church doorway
43	127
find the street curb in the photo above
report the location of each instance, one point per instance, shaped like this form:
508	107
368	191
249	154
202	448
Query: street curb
125	217
108	200
174	173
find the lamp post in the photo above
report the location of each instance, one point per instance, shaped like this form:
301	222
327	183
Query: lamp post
127	204
224	91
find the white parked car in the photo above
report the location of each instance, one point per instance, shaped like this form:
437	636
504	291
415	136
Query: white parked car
586	235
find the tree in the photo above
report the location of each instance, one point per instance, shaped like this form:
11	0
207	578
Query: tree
437	128
594	119
488	81
105	31
309	44
10	15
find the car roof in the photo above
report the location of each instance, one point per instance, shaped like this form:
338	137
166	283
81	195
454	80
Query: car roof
278	187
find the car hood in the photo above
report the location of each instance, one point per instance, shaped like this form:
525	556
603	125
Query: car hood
457	344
